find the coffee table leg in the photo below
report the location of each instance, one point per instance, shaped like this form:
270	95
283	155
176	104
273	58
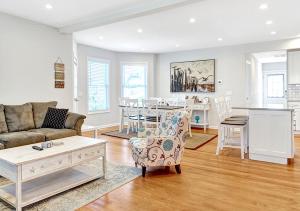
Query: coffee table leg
19	190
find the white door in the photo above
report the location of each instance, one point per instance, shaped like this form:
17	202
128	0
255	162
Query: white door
274	83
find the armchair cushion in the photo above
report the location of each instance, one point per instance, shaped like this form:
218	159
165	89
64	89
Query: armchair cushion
40	110
19	117
52	134
15	139
3	126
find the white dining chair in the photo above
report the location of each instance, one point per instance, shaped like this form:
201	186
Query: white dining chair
133	113
189	105
226	125
123	112
150	113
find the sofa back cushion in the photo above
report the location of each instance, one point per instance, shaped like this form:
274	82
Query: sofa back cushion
3	126
19	117
40	111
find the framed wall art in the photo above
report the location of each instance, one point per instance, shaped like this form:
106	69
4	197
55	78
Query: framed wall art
193	76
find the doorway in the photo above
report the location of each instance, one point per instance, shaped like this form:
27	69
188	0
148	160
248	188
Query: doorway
267	74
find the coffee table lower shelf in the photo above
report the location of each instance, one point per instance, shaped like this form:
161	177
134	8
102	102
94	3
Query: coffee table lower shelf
49	185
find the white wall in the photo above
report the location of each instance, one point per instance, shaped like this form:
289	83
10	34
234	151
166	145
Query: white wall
230	68
115	58
28	52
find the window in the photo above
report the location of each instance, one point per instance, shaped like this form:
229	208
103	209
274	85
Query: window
134	80
98	84
275	83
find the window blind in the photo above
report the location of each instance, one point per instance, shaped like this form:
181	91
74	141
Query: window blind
98	84
134	82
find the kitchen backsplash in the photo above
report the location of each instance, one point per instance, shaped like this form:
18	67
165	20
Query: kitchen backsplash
293	92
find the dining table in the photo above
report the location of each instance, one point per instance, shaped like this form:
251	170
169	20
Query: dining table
160	108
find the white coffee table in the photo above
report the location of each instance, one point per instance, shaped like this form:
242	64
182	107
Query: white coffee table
40	174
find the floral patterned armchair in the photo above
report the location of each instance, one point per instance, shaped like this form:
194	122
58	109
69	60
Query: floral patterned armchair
164	147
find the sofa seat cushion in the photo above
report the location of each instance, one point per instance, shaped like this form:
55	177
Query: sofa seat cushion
19	117
40	111
3	126
21	138
52	134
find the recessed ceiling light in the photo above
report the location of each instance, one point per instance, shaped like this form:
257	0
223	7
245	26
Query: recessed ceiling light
192	20
140	30
100	38
49	6
177	45
220	39
269	22
263	6
273	32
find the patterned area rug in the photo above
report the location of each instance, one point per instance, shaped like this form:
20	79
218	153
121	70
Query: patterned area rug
75	198
198	139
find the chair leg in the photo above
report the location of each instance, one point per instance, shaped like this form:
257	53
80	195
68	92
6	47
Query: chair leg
242	142
143	171
178	169
128	127
219	141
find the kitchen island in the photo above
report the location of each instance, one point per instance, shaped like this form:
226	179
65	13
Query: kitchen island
271	136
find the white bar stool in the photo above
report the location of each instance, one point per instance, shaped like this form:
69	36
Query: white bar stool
225	139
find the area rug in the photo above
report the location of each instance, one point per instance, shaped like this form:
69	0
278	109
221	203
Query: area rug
198	139
117	175
122	134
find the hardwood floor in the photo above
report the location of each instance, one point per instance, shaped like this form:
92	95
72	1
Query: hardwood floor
207	182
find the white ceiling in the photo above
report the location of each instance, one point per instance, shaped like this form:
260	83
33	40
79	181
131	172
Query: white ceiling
64	12
236	21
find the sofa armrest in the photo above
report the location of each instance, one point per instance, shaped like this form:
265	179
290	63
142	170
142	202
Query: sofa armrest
75	121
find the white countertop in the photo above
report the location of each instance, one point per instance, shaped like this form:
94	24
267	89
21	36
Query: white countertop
272	107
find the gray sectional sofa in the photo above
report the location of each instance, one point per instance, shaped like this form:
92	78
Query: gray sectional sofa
21	124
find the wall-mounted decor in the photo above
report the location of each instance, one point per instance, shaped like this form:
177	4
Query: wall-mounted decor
59	68
193	76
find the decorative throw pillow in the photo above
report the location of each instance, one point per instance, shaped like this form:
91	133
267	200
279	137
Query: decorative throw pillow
39	111
55	118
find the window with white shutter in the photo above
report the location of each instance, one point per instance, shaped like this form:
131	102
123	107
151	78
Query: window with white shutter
134	80
98	85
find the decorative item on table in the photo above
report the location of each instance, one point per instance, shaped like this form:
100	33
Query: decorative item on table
193	76
59	74
47	144
197	119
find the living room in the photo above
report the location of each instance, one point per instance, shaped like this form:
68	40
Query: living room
98	73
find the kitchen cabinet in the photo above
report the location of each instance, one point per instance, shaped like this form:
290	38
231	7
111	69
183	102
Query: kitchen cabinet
294	67
296	115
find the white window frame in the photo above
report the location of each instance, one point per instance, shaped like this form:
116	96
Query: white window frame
122	75
108	86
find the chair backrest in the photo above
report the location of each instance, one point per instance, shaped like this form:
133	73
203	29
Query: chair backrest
171	101
189	105
132	106
228	106
150	111
221	108
122	101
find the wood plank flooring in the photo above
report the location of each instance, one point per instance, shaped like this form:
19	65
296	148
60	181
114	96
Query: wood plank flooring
207	182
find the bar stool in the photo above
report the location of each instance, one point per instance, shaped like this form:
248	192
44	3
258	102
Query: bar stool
228	124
